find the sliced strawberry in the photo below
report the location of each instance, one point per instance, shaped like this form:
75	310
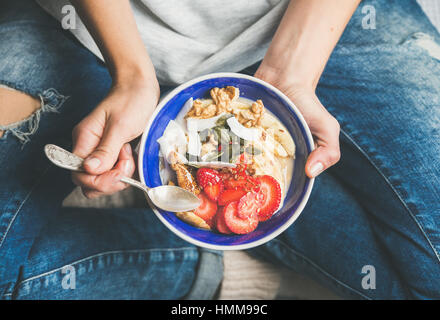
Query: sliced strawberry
211	182
207	208
220	223
214	191
248	205
236	224
244	182
244	158
241	163
230	195
224	175
207	177
235	183
211	222
270	196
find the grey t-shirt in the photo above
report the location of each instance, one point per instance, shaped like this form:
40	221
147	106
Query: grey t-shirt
189	38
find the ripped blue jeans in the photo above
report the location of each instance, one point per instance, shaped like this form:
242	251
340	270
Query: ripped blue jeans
371	229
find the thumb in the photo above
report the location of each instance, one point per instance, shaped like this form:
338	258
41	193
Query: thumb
321	159
104	157
327	152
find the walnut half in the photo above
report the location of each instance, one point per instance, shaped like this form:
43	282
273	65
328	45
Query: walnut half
252	116
223	98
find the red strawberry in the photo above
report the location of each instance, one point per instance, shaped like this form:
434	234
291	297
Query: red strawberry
211	182
214	191
241	163
224	175
207	208
211	222
270	196
244	182
207	177
248	205
244	158
236	224
220	223
230	195
235	183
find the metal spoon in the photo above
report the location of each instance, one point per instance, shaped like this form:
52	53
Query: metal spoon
169	198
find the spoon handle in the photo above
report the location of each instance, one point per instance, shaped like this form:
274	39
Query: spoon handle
67	160
135	183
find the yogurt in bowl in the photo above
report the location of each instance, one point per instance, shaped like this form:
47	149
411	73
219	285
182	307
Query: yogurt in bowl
186	132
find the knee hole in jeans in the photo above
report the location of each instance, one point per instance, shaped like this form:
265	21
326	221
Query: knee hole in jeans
15	107
20	112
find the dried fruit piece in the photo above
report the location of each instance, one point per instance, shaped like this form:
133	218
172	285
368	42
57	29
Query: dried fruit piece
194	220
185	178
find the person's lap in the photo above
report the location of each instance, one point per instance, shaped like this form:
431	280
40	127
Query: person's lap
380	206
374	208
115	253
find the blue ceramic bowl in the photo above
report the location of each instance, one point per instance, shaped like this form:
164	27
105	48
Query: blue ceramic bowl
274	100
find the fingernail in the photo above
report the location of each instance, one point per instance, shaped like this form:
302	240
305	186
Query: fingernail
93	163
127	148
316	169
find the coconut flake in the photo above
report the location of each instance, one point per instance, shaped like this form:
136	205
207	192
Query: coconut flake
165	172
173	140
180	119
250	134
195	124
194	144
212	164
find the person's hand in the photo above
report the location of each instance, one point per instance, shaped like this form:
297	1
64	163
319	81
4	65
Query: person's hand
324	127
102	138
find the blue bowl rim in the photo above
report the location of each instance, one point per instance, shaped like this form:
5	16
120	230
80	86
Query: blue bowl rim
309	141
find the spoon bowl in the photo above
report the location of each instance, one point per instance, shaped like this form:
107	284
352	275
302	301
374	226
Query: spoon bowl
174	199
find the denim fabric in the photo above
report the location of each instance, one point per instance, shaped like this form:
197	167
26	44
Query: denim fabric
378	207
107	254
